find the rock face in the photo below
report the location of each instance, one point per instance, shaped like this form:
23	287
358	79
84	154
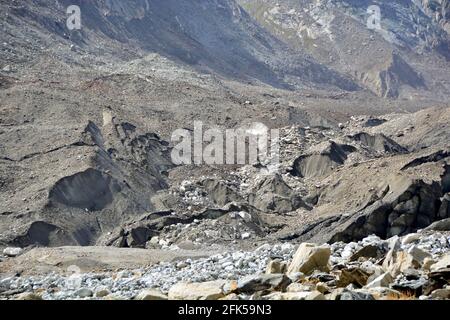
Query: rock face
310	257
404	206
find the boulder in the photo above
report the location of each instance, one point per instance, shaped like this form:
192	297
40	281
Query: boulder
12	252
335	294
322	287
101	293
84	293
29	296
427	263
441	225
308	295
354	276
441	294
356	295
410	286
382	281
276	266
397	260
369	251
300	287
254	283
417	256
149	294
231	296
410	238
384	293
211	290
442	264
310	257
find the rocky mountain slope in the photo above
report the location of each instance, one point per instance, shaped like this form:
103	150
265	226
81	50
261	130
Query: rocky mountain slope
86	119
393	60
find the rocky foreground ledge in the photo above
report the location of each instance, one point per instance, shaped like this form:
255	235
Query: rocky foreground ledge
416	266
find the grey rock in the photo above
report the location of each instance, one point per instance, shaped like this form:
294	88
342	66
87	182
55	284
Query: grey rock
262	282
12	252
354	295
84	293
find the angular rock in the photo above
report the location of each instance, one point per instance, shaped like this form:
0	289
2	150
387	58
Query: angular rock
354	276
102	293
310	257
397	260
309	295
413	286
278	282
356	295
384	293
322	287
29	296
84	293
443	263
410	238
299	287
211	290
382	281
441	294
231	296
417	256
276	266
149	294
369	251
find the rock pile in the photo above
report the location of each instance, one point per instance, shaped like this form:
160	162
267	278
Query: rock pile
416	266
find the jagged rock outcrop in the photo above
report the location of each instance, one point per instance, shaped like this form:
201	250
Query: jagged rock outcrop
407	205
